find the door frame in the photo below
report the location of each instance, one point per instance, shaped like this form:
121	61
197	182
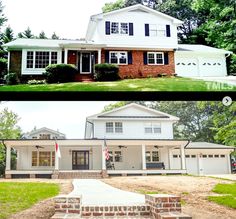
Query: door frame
90	66
77	151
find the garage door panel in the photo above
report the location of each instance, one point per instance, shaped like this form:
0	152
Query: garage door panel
192	165
187	67
215	165
211	67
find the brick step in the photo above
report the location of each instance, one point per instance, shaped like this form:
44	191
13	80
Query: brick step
137	211
173	215
80	175
84	78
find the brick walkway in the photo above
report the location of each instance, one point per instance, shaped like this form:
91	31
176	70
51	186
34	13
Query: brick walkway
95	192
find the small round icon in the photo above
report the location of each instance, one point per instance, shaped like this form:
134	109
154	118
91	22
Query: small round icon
227	101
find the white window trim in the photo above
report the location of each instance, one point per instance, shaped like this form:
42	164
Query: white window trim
155	59
126	53
152	126
114	128
34	58
113	155
119	29
38	166
159	155
157	29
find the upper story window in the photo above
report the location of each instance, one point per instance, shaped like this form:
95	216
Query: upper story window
157	30
119	58
40	59
44	136
155	58
119	28
152	128
114	127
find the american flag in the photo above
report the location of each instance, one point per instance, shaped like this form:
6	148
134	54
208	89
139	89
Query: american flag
107	156
58	152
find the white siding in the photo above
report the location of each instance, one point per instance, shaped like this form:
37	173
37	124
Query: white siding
37	135
139	19
133	130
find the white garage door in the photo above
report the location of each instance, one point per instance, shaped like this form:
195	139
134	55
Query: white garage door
186	67
213	67
191	164
213	165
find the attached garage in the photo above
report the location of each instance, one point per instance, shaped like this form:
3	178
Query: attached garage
200	61
204	158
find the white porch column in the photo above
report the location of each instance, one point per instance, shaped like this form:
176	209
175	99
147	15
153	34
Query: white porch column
8	158
144	157
170	158
66	56
199	159
56	161
182	152
99	56
103	157
8	60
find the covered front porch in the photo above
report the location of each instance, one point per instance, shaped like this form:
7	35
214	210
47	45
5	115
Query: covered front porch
81	158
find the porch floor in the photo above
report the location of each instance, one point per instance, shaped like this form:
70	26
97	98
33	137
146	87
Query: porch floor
97	193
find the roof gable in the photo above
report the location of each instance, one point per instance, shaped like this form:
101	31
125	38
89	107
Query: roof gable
44	129
134	111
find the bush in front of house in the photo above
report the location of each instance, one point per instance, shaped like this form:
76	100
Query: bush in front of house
3	69
60	73
11	78
106	72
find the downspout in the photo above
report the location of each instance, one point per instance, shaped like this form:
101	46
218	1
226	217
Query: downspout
187	144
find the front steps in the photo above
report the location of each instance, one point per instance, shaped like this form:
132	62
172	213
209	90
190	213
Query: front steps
84	78
80	175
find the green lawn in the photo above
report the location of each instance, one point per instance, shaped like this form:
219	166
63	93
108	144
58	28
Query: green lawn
15	197
147	84
228	192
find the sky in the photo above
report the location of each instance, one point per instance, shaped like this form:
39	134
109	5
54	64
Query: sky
67	117
69	19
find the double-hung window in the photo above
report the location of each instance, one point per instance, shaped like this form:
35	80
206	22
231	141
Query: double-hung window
114	127
119	28
155	58
43	158
157	30
152	128
152	156
119	58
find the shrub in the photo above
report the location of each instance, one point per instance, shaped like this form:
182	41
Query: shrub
35	82
3	66
11	79
60	73
232	64
106	72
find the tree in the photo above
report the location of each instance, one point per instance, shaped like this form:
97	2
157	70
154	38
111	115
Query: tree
8	130
113	6
54	36
8	35
3	19
26	34
42	35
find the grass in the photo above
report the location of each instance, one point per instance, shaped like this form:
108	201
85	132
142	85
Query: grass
147	192
228	197
15	197
146	84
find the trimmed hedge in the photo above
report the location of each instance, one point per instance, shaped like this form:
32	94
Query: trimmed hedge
11	79
3	66
60	73
106	72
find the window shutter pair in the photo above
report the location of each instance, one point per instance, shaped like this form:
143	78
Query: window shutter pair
147	30
130	58
166	58
108	28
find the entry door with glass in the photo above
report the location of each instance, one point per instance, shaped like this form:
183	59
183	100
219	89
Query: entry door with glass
80	160
85	63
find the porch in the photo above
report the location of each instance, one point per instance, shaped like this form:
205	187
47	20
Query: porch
87	158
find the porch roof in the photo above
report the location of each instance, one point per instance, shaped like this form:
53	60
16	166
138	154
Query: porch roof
95	142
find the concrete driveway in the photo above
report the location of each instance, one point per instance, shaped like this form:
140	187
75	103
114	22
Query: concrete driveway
95	192
225	176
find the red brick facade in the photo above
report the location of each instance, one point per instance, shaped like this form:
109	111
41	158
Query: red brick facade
139	70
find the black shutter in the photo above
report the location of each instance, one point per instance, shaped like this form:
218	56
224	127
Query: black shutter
131	29
166	58
168	31
130	58
108	27
145	58
106	56
147	30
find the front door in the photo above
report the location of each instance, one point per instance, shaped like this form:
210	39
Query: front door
85	63
80	160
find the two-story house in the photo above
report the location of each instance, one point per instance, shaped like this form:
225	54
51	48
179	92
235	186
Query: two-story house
130	140
142	41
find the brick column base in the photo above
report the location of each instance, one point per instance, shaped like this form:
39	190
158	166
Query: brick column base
160	203
104	174
7	176
68	204
55	174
